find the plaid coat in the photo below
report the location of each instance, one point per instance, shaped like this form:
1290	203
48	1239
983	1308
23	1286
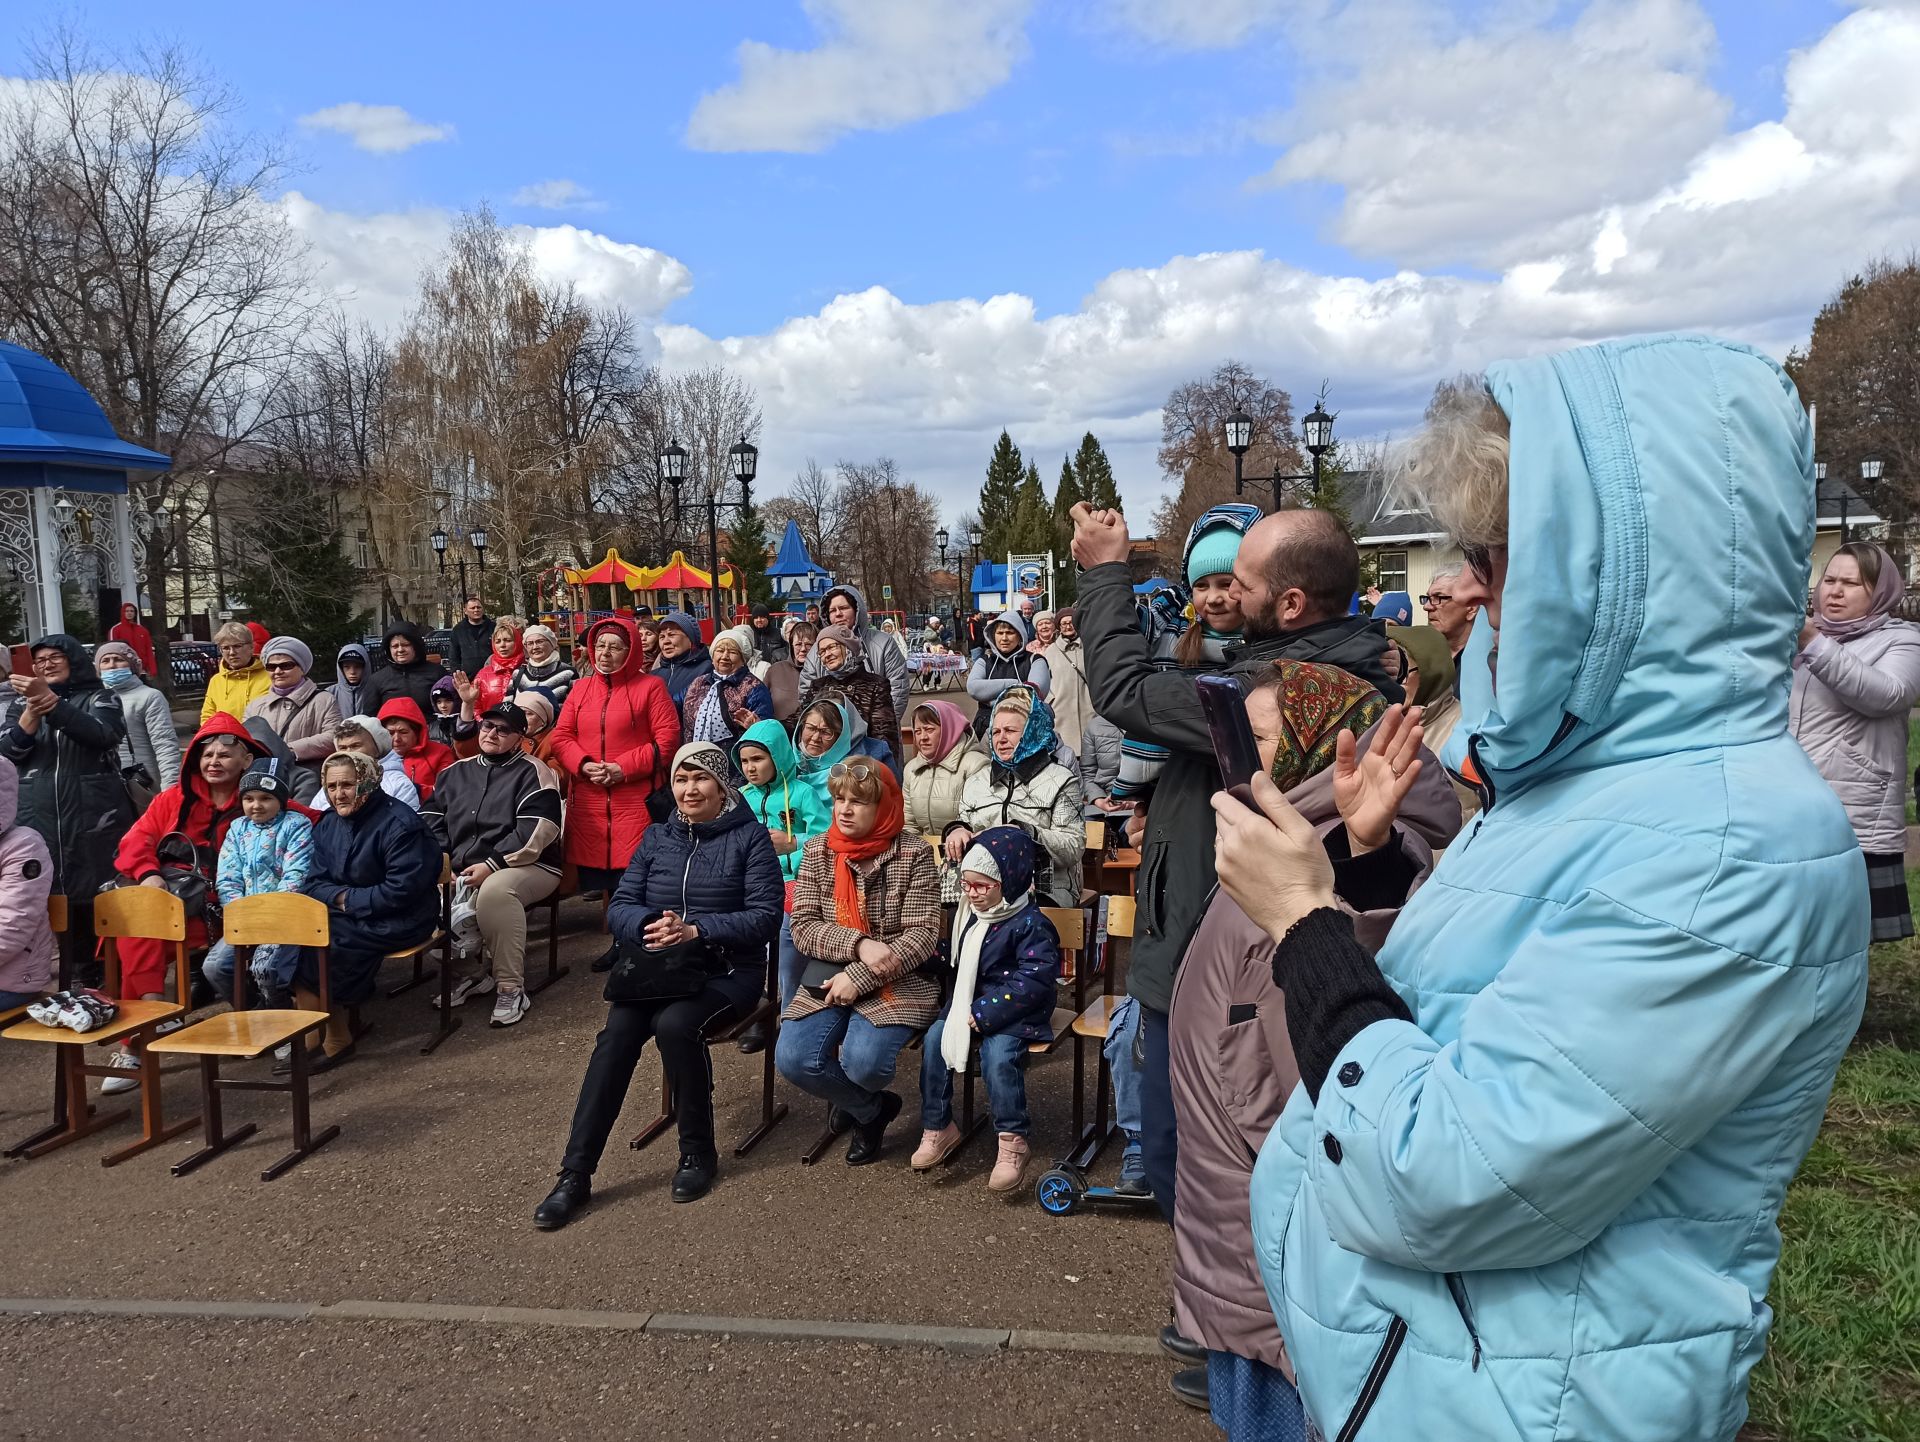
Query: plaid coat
900	893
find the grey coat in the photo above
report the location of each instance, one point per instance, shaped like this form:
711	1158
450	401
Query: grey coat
1848	710
152	740
1100	742
884	658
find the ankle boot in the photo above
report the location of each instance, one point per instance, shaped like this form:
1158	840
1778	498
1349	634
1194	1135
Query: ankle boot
569	1197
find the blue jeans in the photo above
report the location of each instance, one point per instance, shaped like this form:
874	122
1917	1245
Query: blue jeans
792	964
10	999
1003	1060
271	971
841	1057
1118	1047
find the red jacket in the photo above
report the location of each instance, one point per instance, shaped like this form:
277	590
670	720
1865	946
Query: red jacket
626	718
494	680
128	631
427	760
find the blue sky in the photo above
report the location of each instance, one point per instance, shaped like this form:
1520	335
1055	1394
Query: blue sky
1109	147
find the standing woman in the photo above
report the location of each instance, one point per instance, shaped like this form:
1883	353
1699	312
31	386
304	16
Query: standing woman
543	667
298	712
240	678
153	742
63	731
495	679
1005	662
614	738
1854	681
648	631
130	632
408	672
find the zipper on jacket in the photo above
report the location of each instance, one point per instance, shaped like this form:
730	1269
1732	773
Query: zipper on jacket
687	871
1376	1379
1457	1286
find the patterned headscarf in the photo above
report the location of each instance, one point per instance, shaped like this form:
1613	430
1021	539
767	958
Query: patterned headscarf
1039	735
707	757
1317	703
366	771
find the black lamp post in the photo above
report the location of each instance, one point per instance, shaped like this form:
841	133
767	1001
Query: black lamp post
1239	438
1871	471
476	542
744	460
1316	430
940	539
673	470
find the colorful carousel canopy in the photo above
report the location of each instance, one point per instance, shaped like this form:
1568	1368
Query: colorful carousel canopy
611	571
679	574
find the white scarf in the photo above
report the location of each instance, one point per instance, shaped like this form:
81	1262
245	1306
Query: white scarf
970	928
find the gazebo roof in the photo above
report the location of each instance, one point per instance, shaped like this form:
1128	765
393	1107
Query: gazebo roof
47	418
611	571
794	558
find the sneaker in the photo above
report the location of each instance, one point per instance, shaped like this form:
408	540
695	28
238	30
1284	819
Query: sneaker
509	1006
935	1147
478	984
284	1053
128	1067
569	1197
1133	1177
1011	1165
46	1011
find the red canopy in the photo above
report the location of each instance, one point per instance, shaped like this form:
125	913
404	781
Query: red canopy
612	571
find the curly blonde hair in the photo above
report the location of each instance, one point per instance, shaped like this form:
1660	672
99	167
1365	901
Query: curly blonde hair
1456	468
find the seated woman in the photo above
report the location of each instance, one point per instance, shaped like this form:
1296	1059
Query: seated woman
847	670
1026	787
729	904
945	756
831	731
723	702
1006	963
367	736
298	711
377	869
866	918
783	676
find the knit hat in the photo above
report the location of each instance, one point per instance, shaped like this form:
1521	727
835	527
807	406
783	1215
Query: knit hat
1006	854
444	684
707	757
509	715
268	774
382	743
539	708
290	646
1394	606
107	650
545	632
741	636
1212	554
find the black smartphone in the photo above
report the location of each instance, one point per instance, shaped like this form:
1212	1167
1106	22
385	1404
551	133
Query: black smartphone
1225	706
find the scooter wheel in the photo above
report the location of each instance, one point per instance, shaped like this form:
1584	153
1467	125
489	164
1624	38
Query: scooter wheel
1058	1192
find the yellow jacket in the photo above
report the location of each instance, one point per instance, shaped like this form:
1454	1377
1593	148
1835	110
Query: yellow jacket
229	691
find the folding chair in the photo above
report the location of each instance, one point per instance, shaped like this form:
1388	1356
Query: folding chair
146	913
282	918
569	886
442	938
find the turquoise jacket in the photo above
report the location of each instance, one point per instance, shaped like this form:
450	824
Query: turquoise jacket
1546	1207
790	804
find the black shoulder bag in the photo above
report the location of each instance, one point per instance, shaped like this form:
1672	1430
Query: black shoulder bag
641	973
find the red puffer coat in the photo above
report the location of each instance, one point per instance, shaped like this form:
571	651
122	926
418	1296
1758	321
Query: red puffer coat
626	718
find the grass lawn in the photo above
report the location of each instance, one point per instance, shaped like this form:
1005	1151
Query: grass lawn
1843	1364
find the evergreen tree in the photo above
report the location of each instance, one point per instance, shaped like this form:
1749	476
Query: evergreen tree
1095	474
747	553
296	581
1000	498
1065	496
1329	494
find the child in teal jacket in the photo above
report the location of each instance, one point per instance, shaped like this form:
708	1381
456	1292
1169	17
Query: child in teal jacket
791	809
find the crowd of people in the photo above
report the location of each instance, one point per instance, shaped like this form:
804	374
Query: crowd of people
1467	1050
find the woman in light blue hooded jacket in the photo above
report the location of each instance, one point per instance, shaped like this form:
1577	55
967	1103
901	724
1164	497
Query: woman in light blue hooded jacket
1529	1184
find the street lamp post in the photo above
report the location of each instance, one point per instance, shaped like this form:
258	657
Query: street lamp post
673	470
744	459
476	542
1239	438
1316	430
1871	470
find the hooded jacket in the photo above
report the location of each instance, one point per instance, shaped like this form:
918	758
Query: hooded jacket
428	758
26	880
188	808
256	859
414	679
788	804
627	718
852	741
470	644
304	718
70	786
887	660
350	699
1546	1206
1042	798
1162	707
771	645
153	742
867	690
994	672
128	631
721	875
230	691
1848	711
681	672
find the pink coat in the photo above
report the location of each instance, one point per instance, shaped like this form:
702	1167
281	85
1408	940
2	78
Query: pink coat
26	878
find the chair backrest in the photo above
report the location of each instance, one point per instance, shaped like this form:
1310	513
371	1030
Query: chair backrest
1120	916
1096	836
276	918
57	912
1071	924
149	912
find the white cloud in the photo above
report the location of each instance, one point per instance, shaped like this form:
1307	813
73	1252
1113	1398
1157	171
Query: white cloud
879	64
557	195
1467	147
382	129
1208	24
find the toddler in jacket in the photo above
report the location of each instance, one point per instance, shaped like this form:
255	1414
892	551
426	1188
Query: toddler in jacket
1006	963
269	847
26	877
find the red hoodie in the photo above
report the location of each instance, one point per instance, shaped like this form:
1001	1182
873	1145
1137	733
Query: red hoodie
186	807
427	759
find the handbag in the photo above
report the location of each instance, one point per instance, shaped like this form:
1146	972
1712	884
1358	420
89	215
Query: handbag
643	973
183	874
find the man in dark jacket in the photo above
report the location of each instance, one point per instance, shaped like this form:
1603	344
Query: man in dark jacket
683	655
1295	573
767	639
472	637
497	817
407	672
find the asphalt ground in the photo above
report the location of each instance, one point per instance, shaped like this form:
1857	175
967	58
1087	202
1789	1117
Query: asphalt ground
426	1197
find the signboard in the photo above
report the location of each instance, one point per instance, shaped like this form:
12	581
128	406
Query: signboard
886	593
1030	578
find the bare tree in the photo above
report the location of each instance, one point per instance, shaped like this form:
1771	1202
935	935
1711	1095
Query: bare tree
707	411
139	252
1193	444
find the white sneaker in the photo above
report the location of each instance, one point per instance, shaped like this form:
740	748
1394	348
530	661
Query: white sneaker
283	1052
128	1065
479	984
510	1005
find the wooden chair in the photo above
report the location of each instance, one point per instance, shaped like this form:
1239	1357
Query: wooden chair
276	917
57	923
569	886
442	938
150	914
767	1011
1092	1024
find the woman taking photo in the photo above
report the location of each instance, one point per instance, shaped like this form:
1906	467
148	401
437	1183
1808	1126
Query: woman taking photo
1026	786
944	760
377	870
1854	682
866	919
728	906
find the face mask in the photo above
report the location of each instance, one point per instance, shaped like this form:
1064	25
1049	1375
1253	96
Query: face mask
117	676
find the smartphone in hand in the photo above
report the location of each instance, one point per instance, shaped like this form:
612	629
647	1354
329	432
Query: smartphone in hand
1225	707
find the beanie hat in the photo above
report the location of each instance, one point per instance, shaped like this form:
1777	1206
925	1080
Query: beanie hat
741	636
543	631
290	646
1394	606
382	743
537	703
1212	553
268	774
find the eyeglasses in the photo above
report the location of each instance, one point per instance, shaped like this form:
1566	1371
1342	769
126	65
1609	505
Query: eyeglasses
853	771
976	888
1435	598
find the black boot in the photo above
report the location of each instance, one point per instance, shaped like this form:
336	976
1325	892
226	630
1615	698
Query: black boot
1190	1386
1181	1349
570	1195
605	962
694	1179
755	1038
865	1146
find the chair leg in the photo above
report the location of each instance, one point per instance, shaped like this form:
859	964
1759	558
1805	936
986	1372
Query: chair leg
153	1123
657	1128
448	1023
554	969
216	1138
305	1140
82	1119
420	975
59	1122
770	1114
828	1136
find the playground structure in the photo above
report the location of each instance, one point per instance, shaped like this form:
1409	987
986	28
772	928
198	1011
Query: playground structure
565	593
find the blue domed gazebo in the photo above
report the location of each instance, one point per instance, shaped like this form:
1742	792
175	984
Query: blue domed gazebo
797	578
63	489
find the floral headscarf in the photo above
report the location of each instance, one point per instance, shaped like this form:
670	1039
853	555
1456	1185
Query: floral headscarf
1038	738
1317	703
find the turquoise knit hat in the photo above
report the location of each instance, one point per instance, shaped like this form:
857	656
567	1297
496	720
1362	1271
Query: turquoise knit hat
1213	553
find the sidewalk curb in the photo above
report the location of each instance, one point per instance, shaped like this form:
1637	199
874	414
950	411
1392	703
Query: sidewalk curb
978	1340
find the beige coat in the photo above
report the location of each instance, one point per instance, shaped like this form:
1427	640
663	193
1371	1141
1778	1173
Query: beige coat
932	789
1848	711
1067	691
304	718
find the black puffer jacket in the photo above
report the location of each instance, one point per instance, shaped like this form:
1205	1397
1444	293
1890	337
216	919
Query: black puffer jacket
415	679
722	875
471	643
70	786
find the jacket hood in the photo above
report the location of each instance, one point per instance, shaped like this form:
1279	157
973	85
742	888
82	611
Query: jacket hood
772	738
624	625
221	723
1015	620
353	651
412	633
382	742
852	593
1661	500
405	708
686	626
9	794
83	677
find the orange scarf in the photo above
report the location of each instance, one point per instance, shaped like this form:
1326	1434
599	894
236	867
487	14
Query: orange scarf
847	910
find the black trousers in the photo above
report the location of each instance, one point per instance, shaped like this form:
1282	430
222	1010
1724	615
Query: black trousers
679	1029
